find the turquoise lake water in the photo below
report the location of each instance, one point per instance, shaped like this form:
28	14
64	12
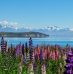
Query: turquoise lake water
41	41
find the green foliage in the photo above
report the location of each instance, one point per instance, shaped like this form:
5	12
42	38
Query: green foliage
8	64
53	66
25	69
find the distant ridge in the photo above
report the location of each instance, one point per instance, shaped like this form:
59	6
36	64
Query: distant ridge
23	34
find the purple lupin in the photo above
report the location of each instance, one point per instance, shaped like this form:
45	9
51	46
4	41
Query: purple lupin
23	49
69	61
30	48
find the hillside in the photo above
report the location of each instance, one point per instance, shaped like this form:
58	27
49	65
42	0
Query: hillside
23	34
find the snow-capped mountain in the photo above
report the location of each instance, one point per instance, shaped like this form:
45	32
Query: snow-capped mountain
6	26
9	26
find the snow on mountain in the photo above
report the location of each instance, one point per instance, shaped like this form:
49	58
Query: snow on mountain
6	26
15	26
9	26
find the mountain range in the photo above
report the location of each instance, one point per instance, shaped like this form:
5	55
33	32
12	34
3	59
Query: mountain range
51	31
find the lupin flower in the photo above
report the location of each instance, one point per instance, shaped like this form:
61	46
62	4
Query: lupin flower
43	69
30	48
52	54
56	54
69	61
23	49
41	56
30	44
48	52
38	52
17	50
30	68
26	48
44	54
35	68
33	56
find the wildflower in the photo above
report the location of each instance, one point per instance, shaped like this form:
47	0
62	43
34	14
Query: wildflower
69	61
23	49
43	69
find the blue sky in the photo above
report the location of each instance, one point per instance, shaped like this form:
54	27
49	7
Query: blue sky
38	13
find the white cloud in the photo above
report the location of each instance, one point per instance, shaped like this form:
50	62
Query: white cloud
5	22
71	29
14	25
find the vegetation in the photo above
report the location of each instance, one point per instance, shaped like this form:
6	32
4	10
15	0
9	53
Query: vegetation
36	60
9	65
23	34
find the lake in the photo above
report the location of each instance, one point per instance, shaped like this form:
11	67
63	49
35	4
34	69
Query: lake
42	41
